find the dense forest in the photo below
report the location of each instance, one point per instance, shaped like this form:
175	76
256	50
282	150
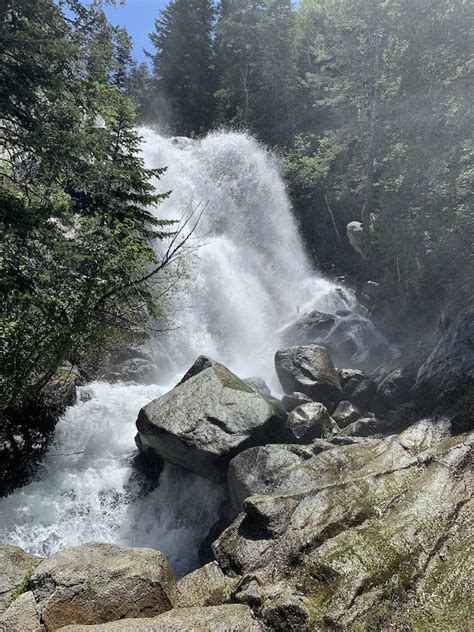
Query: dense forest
366	103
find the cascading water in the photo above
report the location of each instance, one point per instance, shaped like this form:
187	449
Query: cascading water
250	276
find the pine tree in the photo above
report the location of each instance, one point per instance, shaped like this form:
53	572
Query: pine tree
75	197
257	73
183	66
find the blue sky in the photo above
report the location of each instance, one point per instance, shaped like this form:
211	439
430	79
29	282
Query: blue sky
139	18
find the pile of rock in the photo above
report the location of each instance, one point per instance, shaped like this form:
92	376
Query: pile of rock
107	587
345	516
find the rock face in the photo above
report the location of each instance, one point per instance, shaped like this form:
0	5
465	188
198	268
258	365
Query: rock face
308	422
371	534
97	583
206	420
268	468
22	616
207	586
448	373
16	567
228	618
309	369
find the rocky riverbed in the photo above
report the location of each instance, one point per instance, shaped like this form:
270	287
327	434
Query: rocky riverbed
349	505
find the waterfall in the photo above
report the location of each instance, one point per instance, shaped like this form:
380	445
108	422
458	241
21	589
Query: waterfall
251	274
249	277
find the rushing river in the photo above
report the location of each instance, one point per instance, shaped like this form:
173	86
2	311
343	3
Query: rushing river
249	277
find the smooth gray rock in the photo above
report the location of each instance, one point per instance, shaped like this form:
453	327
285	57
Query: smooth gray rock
206	586
307	422
308	369
21	616
97	583
206	420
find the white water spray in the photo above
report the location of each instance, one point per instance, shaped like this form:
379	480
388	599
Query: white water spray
250	277
252	274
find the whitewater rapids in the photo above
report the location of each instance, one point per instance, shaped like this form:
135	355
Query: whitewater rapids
249	277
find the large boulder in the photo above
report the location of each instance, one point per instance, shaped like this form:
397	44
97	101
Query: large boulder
16	567
379	536
227	618
448	373
309	369
308	422
96	583
207	419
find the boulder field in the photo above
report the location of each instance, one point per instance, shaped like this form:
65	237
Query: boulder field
352	510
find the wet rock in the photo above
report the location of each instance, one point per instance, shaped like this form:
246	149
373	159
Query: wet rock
123	363
308	329
206	420
207	586
259	385
133	370
308	422
227	618
97	583
22	616
292	401
16	567
345	414
309	370
395	382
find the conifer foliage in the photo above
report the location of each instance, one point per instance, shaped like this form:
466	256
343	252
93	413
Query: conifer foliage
75	197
